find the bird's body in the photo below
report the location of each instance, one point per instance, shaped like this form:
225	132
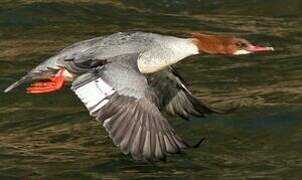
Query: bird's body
155	51
125	80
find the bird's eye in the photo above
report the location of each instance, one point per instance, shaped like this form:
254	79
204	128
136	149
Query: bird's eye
240	44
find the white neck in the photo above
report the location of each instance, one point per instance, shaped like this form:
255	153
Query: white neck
182	47
169	51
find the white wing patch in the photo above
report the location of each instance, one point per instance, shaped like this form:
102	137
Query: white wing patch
94	93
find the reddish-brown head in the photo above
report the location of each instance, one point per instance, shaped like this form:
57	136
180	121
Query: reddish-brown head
215	44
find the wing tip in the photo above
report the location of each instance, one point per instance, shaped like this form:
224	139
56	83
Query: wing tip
226	111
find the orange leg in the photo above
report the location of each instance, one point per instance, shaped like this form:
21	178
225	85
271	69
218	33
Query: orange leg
55	83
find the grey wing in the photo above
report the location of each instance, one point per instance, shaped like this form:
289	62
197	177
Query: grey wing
174	96
119	97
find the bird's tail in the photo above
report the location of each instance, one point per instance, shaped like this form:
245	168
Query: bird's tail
24	79
43	71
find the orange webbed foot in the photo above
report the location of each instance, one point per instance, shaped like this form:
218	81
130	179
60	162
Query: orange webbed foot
55	83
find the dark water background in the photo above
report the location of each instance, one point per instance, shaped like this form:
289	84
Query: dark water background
52	136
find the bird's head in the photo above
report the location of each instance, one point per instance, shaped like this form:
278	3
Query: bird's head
216	44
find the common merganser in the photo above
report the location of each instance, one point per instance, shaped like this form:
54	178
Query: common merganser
125	80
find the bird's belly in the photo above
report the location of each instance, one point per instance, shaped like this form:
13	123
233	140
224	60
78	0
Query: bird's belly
151	65
68	76
150	68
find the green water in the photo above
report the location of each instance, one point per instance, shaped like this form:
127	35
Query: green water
52	136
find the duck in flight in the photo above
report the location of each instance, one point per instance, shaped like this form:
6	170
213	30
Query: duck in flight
125	80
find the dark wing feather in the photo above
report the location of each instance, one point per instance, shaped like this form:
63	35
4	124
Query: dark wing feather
138	128
129	110
174	97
